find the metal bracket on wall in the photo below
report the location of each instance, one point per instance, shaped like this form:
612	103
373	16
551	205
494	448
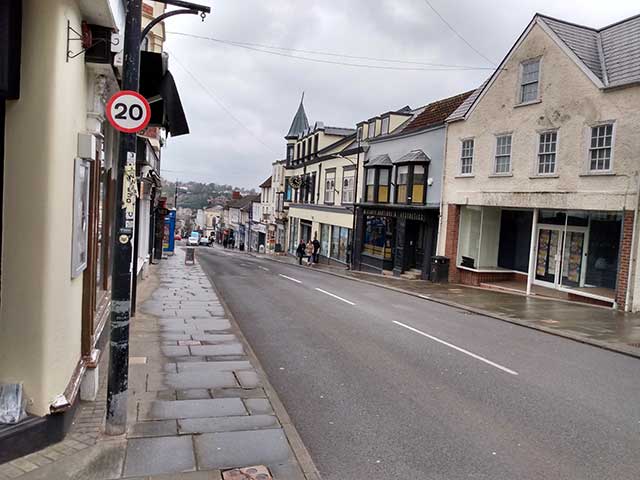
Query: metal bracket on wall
85	37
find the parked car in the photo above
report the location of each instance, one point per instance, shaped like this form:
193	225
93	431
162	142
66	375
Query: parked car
177	237
204	241
194	239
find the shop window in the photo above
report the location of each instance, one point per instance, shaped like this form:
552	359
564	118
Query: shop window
80	217
417	188
515	239
469	236
402	183
378	235
325	238
340	237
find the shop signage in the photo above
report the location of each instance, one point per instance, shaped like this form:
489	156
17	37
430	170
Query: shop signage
128	111
404	214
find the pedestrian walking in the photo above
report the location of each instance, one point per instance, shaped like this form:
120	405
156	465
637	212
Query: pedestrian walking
225	242
316	249
308	251
300	251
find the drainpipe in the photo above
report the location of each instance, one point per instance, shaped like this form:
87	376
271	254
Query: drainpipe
634	241
532	251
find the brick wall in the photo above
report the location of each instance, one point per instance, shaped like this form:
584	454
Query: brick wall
624	259
467	277
451	241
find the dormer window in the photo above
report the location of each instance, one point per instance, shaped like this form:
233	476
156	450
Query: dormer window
360	127
385	126
372	129
529	81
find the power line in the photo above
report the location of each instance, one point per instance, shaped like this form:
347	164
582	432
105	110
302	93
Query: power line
222	105
457	34
331	62
330	54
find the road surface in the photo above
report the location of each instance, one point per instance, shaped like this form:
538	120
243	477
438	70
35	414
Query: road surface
384	385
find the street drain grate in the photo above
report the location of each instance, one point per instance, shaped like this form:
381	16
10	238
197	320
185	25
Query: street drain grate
636	344
259	472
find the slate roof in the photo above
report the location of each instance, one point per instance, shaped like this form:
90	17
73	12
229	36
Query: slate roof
242	202
463	108
380	161
339	131
612	53
436	113
266	183
414	156
300	122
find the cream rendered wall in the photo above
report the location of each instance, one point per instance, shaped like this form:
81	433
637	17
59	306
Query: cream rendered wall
41	305
570	102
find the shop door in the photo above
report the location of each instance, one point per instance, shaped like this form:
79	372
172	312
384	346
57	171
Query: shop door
560	256
413	244
548	255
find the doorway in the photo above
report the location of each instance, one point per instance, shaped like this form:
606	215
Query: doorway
561	256
414	244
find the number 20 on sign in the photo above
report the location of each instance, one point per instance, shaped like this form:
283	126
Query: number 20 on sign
128	111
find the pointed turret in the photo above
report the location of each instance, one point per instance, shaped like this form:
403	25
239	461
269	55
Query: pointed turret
300	122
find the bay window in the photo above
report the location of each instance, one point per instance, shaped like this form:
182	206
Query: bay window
402	182
377	185
417	189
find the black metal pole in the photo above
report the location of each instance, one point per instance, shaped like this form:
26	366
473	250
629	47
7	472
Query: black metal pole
355	208
116	421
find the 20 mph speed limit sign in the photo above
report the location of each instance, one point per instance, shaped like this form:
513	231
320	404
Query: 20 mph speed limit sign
128	111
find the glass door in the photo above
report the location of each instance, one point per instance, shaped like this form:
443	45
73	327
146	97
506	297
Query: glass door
548	254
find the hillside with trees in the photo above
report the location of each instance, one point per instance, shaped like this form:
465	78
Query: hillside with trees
196	195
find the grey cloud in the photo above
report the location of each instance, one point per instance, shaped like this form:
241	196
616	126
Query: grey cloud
263	90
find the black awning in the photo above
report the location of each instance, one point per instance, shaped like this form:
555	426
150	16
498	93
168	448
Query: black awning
159	88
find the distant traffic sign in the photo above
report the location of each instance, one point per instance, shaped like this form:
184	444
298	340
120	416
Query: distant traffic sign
128	111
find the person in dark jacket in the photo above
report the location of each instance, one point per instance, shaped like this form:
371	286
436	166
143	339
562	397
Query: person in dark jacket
316	249
300	251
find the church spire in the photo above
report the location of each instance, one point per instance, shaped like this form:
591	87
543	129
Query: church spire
300	122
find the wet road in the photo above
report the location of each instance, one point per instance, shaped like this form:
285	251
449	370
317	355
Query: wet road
384	385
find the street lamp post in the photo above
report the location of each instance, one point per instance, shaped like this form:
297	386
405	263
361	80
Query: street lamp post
118	382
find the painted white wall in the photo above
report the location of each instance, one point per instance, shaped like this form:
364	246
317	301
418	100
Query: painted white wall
40	340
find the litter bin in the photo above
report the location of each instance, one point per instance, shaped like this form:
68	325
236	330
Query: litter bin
439	269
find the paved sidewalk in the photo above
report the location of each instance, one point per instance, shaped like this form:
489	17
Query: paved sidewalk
602	327
200	406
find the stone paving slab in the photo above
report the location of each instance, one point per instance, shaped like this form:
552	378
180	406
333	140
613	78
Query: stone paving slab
149	456
160	428
248	379
216	350
211	367
227	424
195	379
220	407
230	449
215	338
258	406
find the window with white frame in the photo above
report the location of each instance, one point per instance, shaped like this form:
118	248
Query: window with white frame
529	81
466	157
348	185
329	187
601	148
372	129
503	154
385	125
547	153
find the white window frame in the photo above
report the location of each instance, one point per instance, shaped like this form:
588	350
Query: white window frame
536	171
371	132
462	173
386	122
496	155
589	149
521	84
80	225
348	174
330	187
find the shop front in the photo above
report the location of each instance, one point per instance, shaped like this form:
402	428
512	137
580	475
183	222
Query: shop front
576	254
396	239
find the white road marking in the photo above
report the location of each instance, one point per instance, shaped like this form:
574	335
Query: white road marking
263	268
335	296
462	350
289	278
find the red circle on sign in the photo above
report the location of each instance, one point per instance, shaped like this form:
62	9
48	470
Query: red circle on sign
114	122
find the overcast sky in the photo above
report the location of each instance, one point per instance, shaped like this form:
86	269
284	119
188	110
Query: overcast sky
262	91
